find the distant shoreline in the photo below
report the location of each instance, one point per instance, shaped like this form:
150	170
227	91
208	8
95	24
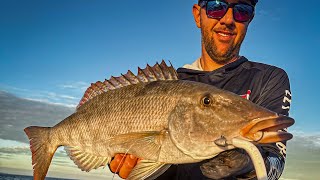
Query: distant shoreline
5	176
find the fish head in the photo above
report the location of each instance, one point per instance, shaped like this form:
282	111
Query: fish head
206	120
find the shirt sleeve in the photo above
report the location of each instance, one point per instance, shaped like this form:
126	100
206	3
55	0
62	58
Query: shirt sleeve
276	96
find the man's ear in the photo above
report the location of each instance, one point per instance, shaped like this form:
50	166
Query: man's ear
196	14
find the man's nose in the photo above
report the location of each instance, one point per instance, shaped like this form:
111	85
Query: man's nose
228	19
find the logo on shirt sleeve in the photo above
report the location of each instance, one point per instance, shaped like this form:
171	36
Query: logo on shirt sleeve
247	95
286	100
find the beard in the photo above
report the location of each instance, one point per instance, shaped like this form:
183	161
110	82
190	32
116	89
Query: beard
213	50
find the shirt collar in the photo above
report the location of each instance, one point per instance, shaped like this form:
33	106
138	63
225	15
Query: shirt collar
196	65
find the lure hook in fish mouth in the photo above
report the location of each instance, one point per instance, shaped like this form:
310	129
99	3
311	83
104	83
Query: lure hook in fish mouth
268	129
257	134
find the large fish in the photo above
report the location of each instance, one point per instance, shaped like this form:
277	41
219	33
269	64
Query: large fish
156	117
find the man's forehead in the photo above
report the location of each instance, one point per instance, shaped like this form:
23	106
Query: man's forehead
239	1
252	2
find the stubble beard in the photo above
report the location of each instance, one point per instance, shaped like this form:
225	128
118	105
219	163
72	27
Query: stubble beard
212	49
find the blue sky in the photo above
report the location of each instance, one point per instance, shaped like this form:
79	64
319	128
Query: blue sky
52	50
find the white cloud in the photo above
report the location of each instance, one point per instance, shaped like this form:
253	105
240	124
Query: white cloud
51	98
8	89
47	101
51	95
66	95
274	15
12	144
15	150
316	141
14	147
305	140
55	96
76	85
262	12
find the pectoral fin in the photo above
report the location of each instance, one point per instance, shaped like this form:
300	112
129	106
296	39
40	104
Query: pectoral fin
144	145
148	170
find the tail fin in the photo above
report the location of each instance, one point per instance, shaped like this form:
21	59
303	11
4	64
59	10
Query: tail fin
42	150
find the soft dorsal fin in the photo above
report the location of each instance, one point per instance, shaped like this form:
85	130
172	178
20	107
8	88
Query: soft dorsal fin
158	72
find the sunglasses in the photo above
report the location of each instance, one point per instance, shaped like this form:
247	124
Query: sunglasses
217	9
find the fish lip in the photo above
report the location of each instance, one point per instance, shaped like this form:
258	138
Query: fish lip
272	126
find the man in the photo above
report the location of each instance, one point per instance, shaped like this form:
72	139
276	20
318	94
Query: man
223	27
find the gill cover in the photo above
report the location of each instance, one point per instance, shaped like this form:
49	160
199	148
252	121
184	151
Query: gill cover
189	133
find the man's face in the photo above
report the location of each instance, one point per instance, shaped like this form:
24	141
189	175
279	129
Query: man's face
221	38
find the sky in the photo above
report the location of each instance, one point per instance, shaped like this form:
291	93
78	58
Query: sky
50	51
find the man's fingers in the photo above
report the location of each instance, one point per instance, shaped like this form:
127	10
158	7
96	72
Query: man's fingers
123	164
129	163
115	165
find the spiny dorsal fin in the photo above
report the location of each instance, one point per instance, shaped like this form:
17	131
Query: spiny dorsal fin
149	74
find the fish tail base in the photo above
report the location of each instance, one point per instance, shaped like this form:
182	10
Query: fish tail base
42	150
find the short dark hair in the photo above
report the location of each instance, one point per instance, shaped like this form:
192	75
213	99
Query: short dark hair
253	2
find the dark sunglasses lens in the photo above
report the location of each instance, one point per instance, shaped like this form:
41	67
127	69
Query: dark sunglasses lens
242	12
216	9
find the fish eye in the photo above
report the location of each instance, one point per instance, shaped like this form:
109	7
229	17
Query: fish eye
206	101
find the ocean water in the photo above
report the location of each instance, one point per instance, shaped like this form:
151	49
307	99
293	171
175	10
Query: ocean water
21	177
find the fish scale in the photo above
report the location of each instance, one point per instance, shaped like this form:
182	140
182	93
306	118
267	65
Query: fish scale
144	117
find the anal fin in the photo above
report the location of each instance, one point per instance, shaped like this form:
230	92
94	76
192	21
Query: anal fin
148	170
86	161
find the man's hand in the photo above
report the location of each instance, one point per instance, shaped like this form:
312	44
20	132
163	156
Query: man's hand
123	164
227	164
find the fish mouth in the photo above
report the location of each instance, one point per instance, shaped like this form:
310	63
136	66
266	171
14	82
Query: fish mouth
268	129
